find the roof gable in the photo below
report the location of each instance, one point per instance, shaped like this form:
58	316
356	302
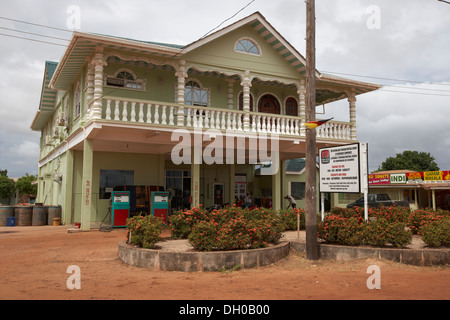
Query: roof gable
266	33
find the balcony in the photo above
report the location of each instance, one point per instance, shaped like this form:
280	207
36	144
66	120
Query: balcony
169	115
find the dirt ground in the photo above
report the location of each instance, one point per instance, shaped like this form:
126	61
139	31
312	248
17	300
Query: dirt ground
34	262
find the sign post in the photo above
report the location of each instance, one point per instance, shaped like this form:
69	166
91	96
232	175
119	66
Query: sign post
343	169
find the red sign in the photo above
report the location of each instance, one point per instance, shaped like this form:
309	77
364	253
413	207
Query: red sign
379	178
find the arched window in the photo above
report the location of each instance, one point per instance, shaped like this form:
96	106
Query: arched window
125	78
194	95
291	107
269	104
247	46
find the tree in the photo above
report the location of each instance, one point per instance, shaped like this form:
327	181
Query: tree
25	184
7	186
410	160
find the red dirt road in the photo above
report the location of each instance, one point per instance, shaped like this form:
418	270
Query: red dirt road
34	261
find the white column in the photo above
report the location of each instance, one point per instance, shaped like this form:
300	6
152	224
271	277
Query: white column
230	93
98	83
246	84
302	103
352	107
181	78
89	88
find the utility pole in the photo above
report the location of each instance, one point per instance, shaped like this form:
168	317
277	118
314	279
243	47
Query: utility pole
312	248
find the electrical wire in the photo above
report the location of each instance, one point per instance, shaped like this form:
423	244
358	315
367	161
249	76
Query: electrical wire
35	40
36	24
389	79
34	34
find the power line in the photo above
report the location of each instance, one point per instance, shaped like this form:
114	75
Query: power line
35	40
178	53
36	24
419	93
34	34
383	78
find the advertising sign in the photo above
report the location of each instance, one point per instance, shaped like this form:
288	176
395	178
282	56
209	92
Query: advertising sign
379	179
398	178
340	169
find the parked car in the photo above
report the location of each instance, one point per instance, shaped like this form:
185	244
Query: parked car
378	200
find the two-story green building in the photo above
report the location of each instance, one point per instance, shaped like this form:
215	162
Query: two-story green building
123	112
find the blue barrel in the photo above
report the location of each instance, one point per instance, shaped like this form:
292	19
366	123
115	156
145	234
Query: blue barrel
39	216
5	213
10	221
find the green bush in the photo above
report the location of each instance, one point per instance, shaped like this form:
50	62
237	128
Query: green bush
204	236
436	233
289	218
338	229
144	231
182	222
381	232
231	228
422	217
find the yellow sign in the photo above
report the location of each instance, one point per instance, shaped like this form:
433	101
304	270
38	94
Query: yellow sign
433	175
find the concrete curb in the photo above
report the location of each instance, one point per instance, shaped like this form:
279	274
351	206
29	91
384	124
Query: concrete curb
201	261
416	257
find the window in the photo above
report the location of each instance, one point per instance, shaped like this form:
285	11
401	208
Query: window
125	78
298	190
77	101
247	46
194	95
291	107
178	184
269	104
112	178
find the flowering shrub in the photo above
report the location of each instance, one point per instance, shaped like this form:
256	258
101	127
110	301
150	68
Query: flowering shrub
380	232
289	218
339	229
423	217
230	228
437	232
347	226
144	231
181	222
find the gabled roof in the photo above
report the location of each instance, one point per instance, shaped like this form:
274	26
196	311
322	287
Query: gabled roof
83	45
259	23
48	98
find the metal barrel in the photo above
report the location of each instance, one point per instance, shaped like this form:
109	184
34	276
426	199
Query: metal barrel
53	212
24	215
5	212
39	216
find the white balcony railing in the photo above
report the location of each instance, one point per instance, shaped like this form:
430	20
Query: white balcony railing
168	115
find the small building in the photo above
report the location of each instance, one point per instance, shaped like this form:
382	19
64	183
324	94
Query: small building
191	119
422	189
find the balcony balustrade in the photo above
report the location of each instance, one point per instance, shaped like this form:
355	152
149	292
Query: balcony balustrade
193	117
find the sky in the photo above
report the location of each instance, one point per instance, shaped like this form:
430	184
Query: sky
403	45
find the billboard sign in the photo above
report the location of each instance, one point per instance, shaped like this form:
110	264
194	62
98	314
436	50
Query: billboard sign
340	169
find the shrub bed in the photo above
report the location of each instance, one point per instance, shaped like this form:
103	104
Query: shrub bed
386	225
144	231
230	228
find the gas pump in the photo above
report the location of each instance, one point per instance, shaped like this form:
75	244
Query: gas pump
159	206
120	208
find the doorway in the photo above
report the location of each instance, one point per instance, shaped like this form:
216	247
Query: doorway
218	194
